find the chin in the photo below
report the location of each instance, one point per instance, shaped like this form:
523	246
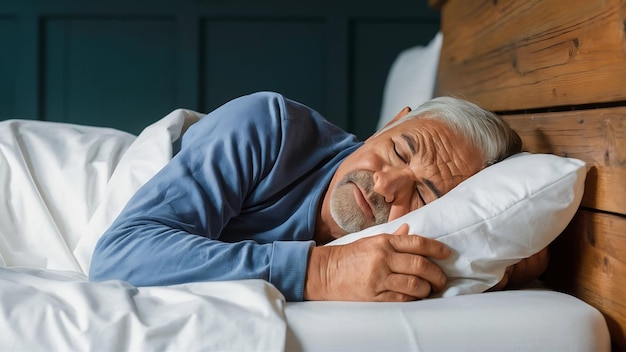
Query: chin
348	222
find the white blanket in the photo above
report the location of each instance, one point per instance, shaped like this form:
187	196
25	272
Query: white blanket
62	186
48	310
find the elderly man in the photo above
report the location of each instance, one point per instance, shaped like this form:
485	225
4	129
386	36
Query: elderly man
261	183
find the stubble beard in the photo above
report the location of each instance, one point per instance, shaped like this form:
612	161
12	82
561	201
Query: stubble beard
344	207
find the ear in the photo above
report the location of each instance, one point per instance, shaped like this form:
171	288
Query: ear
402	113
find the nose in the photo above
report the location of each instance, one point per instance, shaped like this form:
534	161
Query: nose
393	184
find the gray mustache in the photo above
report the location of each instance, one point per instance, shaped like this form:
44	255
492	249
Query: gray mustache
365	179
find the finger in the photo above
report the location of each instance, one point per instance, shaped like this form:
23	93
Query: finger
402	230
419	267
409	285
424	246
391	296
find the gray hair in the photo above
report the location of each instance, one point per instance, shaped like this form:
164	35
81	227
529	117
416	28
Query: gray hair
486	130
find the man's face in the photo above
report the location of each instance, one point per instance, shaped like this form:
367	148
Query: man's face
400	170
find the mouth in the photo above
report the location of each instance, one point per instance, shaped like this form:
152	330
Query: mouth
363	201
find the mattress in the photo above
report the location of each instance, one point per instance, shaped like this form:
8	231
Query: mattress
534	319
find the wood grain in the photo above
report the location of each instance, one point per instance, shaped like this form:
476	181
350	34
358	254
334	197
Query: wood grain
596	136
588	260
521	54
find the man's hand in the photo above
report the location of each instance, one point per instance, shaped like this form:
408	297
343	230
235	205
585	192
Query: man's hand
525	271
378	268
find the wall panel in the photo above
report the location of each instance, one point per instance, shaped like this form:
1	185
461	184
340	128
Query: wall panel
241	56
116	72
8	60
375	45
124	64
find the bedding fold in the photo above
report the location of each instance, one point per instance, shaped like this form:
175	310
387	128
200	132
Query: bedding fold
43	310
63	184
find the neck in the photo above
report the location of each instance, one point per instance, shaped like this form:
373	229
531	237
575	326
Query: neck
326	229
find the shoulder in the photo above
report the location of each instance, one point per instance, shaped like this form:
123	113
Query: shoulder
266	117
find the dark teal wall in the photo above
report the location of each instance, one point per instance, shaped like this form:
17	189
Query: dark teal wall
125	64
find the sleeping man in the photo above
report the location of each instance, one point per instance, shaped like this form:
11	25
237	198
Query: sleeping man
262	183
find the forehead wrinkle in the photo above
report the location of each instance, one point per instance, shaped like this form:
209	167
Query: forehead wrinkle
434	166
430	144
457	162
438	159
440	155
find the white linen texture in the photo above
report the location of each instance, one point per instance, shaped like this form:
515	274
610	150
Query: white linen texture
504	213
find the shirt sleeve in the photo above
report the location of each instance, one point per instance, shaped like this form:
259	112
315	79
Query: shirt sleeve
170	232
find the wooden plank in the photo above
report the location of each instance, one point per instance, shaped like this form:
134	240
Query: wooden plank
588	260
519	54
597	136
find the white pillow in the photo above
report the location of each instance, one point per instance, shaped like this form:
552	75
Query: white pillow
411	79
506	212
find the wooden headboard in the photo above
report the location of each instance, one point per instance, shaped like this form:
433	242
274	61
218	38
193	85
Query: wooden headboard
556	71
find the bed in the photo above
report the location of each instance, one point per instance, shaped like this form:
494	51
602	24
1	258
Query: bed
63	185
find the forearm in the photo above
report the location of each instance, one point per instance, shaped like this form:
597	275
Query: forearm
152	255
147	255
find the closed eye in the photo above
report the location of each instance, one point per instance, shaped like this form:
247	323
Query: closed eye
419	194
398	154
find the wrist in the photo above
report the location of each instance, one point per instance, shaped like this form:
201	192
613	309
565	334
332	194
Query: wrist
314	283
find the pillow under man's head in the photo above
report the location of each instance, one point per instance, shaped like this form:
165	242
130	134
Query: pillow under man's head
506	212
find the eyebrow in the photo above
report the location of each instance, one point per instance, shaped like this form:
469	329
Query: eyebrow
432	187
410	142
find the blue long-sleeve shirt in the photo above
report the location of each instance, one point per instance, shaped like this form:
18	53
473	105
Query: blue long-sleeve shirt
238	201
